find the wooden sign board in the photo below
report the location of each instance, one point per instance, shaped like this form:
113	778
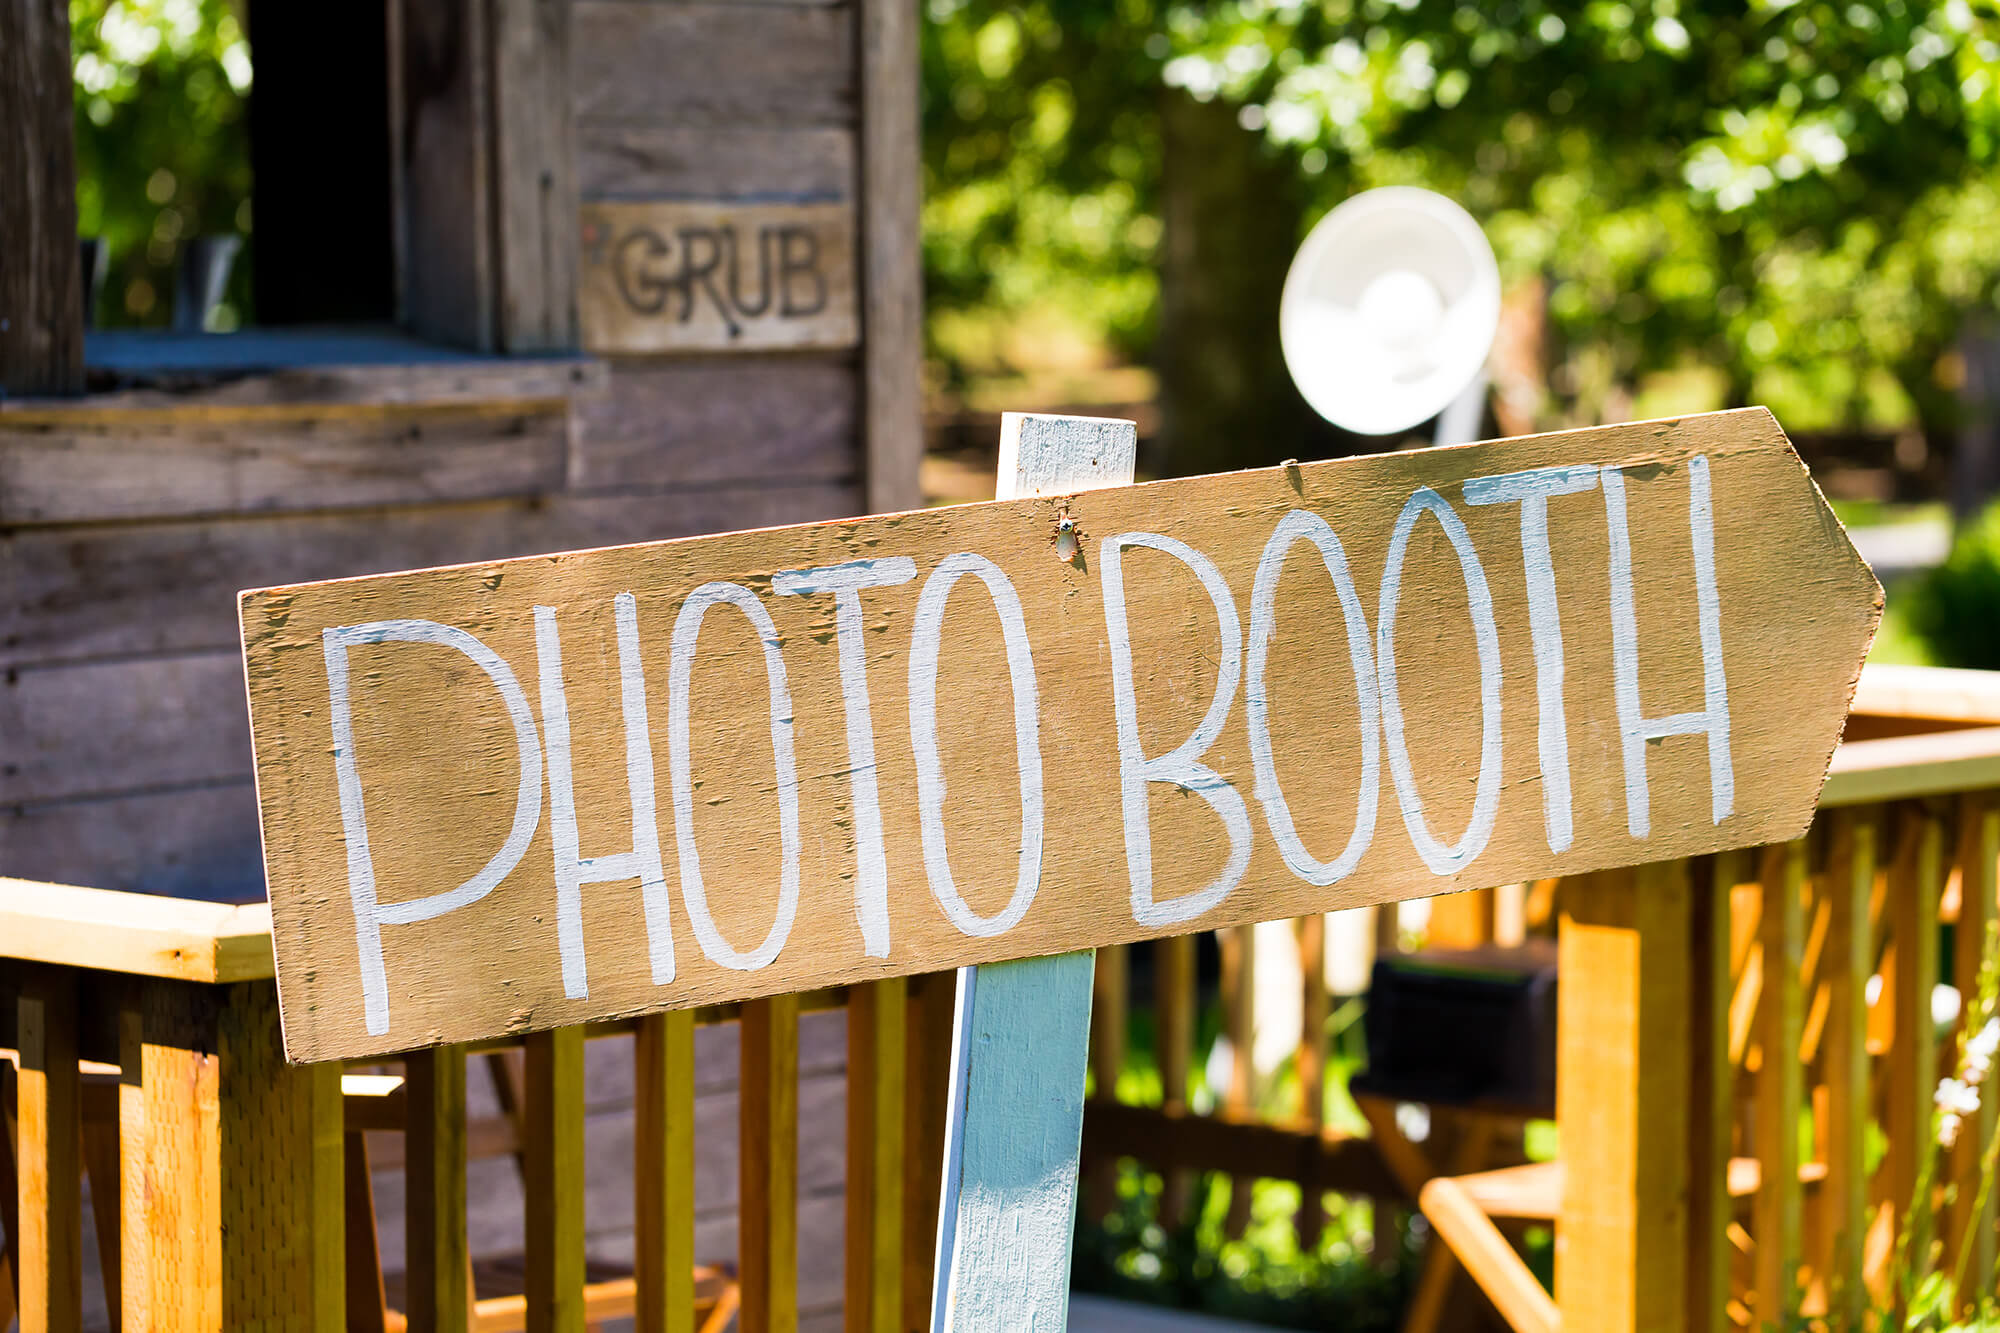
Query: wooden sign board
517	795
709	277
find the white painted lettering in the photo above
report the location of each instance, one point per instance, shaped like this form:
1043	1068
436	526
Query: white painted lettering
680	673
1713	718
1442	859
1532	490
573	869
1299	525
370	915
925	638
845	582
1181	765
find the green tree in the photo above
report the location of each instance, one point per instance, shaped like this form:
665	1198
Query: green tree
162	141
1795	198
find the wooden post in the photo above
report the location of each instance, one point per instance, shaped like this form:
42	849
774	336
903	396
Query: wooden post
767	1250
50	1107
553	1151
280	1168
1851	960
1916	883
663	1173
434	1182
535	245
178	1250
892	302
932	1006
41	284
1711	1107
1009	1209
1777	1214
877	1062
1622	1075
1173	1045
1110	1015
1021	1039
1979	866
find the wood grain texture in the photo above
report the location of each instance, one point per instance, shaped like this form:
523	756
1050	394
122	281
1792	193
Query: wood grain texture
181	1182
718	163
138	588
1174	1003
138	934
96	727
534	183
552	1173
280	1146
708	277
442	53
1909	1080
1776	1217
767	1254
1622	1069
892	299
1978	900
1013	1134
1850	880
41	286
48	1161
134	1290
1005	1264
1794	610
663	1173
1895	767
198	375
187	842
147	464
715	420
437	1257
1110	1021
877	1158
1712	1099
701	66
933	1009
1489	1258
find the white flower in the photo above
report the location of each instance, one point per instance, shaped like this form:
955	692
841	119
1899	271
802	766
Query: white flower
1985	1043
1955	1101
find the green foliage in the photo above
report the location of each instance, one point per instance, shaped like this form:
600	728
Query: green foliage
162	141
1356	1279
1797	194
1954	609
1041	164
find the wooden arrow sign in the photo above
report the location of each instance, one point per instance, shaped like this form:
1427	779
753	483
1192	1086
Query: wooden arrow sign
542	791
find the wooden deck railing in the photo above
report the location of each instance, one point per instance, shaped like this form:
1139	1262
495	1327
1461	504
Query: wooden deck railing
1734	1030
229	1190
1733	1033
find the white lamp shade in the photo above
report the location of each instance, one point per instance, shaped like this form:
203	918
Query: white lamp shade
1389	309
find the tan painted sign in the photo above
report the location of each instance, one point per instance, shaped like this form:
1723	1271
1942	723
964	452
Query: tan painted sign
697	277
511	796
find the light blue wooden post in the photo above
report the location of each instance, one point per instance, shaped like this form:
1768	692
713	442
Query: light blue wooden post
1021	1040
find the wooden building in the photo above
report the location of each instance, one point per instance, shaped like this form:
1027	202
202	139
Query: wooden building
530	275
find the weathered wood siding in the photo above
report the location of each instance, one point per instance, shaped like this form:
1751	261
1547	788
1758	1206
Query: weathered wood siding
124	742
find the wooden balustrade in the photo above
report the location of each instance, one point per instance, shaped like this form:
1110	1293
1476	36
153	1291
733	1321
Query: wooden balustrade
1739	1027
228	1189
1735	1029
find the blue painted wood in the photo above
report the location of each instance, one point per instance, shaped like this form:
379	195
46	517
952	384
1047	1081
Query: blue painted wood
1021	1040
1020	1051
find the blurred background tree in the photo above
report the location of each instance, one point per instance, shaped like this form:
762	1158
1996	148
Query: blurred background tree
1694	203
162	143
